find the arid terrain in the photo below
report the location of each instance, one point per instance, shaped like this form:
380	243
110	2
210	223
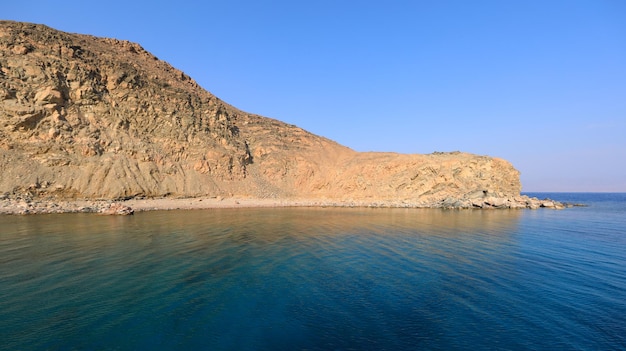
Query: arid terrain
99	120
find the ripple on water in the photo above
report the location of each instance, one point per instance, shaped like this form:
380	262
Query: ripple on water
312	279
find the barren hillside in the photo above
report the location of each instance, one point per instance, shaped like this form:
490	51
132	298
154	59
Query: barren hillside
83	117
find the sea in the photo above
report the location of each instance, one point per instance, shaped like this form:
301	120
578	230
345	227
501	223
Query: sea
318	279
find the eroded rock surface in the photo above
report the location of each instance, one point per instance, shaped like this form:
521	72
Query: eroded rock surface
83	117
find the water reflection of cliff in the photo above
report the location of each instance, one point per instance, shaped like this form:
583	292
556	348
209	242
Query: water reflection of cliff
221	236
337	221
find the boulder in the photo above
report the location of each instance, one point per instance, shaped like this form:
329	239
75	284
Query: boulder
117	209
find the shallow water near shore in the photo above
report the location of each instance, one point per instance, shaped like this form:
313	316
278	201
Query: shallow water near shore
318	279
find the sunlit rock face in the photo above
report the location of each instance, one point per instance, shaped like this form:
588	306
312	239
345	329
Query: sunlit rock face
98	118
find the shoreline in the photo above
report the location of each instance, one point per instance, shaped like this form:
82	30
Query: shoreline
28	206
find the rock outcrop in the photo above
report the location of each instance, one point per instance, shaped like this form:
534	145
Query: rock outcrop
83	117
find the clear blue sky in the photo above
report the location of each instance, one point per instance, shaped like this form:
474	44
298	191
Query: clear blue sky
539	83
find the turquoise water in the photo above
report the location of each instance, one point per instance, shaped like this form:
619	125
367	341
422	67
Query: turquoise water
318	279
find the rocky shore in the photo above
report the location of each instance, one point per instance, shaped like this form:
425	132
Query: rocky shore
25	205
18	205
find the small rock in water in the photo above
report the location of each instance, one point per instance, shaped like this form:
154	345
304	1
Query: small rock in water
118	209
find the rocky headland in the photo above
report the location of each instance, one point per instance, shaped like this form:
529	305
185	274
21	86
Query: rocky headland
91	124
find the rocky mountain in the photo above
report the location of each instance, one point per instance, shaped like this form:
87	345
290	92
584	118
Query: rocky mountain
83	117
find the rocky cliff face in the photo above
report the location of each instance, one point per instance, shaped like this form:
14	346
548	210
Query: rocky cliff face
97	118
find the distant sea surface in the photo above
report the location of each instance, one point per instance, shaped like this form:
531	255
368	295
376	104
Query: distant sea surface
318	279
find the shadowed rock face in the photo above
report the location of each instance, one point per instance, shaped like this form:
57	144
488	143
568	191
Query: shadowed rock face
99	118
